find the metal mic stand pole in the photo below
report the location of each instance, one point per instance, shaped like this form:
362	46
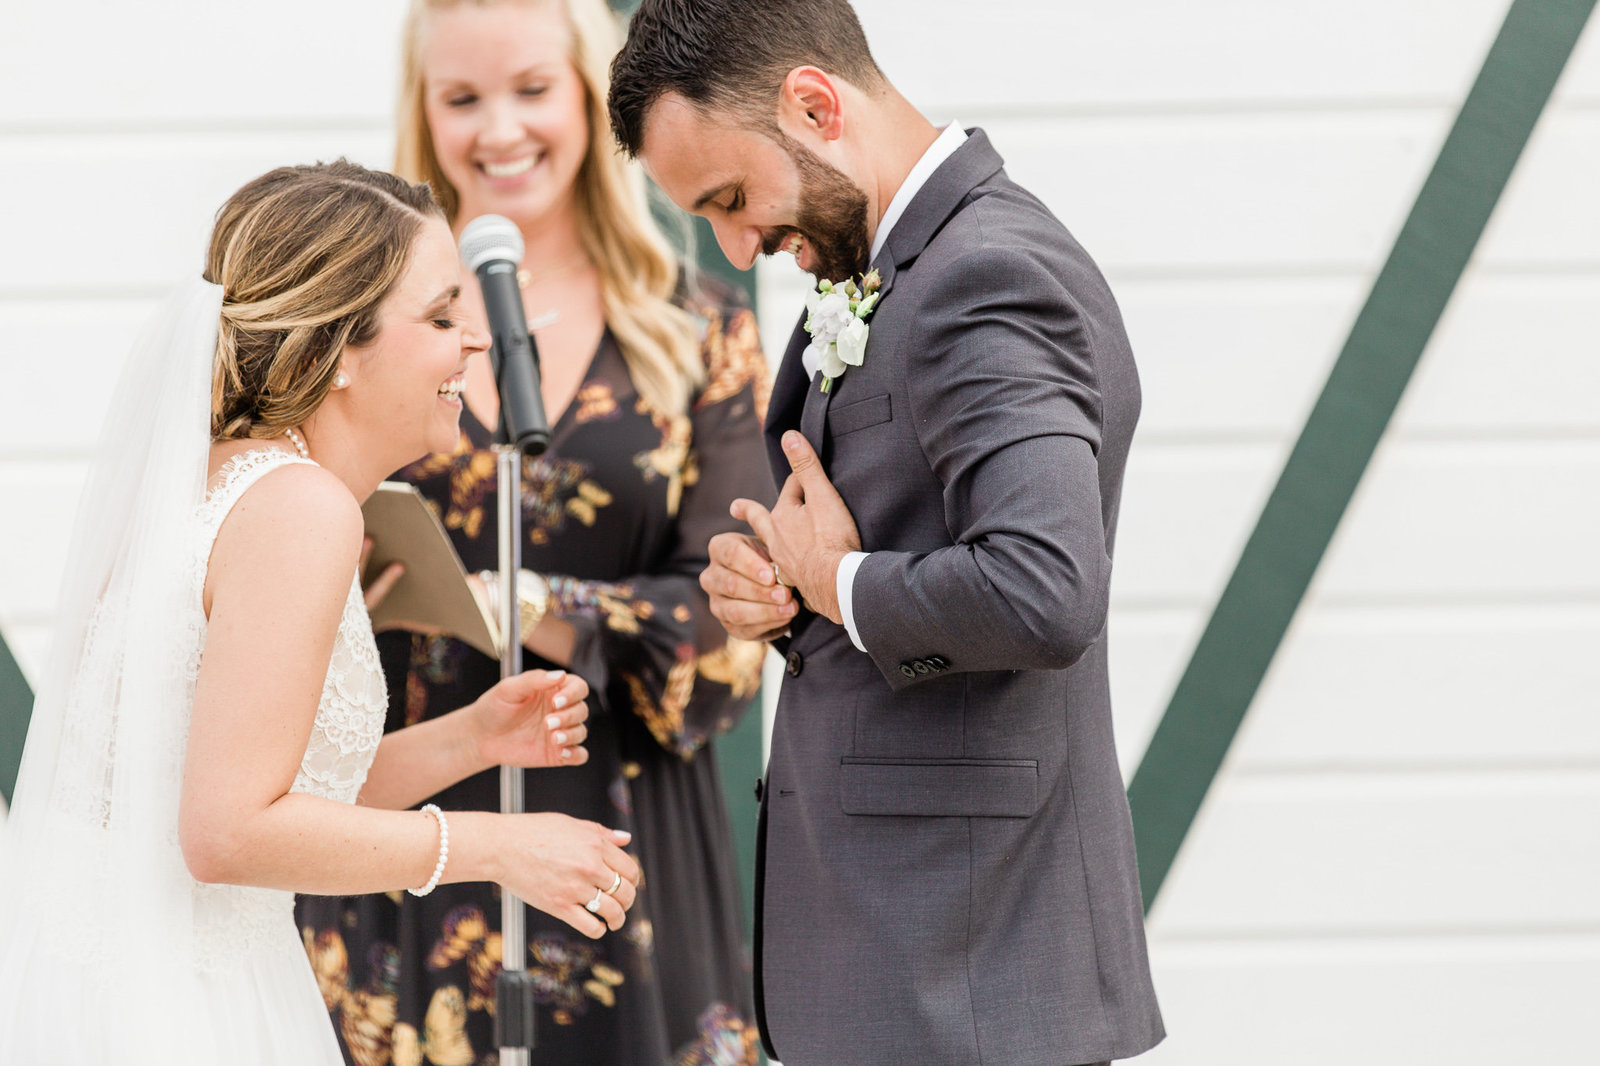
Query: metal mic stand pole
491	246
514	1005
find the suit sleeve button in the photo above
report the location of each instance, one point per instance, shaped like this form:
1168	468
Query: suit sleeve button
908	670
922	666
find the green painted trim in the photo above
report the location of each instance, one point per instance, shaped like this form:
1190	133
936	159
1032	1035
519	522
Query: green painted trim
739	765
1344	428
16	707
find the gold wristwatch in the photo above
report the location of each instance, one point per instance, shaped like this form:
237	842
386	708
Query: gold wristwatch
533	598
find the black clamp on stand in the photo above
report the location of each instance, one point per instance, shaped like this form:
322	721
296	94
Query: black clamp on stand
514	1013
492	248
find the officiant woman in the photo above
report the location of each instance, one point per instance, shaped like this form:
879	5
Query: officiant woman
655	391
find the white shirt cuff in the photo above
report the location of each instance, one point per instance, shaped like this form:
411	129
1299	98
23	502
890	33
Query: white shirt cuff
844	582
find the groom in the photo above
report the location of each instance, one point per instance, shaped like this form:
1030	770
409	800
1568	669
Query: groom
946	865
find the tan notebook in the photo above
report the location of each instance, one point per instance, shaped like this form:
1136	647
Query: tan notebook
433	592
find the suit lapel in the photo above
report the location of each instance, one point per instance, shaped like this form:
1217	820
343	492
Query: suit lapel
814	415
785	411
940	197
788	394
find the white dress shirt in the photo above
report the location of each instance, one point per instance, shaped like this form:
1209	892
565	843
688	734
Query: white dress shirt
941	149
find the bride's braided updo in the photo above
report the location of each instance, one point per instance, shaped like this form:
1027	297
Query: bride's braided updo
304	255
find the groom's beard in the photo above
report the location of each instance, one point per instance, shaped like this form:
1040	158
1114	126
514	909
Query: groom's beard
832	217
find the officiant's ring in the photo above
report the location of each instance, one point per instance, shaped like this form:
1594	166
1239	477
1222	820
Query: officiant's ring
616	882
593	906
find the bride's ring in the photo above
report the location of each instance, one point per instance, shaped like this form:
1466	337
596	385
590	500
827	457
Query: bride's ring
616	882
593	906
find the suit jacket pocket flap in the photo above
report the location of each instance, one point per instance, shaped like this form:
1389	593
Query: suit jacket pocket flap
982	788
859	415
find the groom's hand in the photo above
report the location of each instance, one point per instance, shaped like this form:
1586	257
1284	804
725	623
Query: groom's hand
745	595
808	531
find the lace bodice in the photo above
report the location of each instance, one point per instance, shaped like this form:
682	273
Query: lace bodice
344	736
349	722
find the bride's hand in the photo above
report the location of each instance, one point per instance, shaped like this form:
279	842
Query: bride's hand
534	719
558	864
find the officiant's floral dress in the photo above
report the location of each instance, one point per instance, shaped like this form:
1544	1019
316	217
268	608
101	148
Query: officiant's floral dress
617	514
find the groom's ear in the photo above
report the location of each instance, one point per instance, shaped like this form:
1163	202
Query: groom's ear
811	101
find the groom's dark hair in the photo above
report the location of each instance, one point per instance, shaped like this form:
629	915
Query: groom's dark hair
731	55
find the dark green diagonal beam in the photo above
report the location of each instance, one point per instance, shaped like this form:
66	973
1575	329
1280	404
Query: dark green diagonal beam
16	704
1344	427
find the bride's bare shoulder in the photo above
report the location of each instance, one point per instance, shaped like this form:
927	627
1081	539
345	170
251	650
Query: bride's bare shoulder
295	513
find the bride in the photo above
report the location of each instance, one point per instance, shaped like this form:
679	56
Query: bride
208	738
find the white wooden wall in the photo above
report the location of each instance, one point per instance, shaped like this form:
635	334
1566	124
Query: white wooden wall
123	127
1398	864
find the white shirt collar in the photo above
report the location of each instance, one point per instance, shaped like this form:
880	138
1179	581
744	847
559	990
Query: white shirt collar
941	149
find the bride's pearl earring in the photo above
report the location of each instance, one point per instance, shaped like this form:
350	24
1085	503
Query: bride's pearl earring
341	381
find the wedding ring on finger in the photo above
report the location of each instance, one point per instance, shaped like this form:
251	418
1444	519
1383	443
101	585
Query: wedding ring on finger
616	883
593	906
777	576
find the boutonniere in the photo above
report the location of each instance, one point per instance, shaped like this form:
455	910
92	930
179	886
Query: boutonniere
837	322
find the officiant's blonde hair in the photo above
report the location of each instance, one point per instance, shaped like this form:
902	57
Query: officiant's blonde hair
638	271
304	255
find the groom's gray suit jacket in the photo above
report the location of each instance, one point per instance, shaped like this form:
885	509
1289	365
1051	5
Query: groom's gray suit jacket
946	872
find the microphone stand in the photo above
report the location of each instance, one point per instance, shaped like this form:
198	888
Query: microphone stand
523	429
513	992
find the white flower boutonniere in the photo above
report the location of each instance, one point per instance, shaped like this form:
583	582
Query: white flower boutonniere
837	322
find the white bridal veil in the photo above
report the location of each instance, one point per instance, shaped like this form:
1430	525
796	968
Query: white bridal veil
95	900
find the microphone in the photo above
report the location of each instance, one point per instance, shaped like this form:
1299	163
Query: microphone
491	247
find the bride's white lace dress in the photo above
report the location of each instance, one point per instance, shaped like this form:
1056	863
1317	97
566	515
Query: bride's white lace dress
233	984
259	981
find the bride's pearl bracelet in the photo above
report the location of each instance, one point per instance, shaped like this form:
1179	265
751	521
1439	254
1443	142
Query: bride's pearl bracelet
444	850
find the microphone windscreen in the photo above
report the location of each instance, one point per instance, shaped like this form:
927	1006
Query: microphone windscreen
490	237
